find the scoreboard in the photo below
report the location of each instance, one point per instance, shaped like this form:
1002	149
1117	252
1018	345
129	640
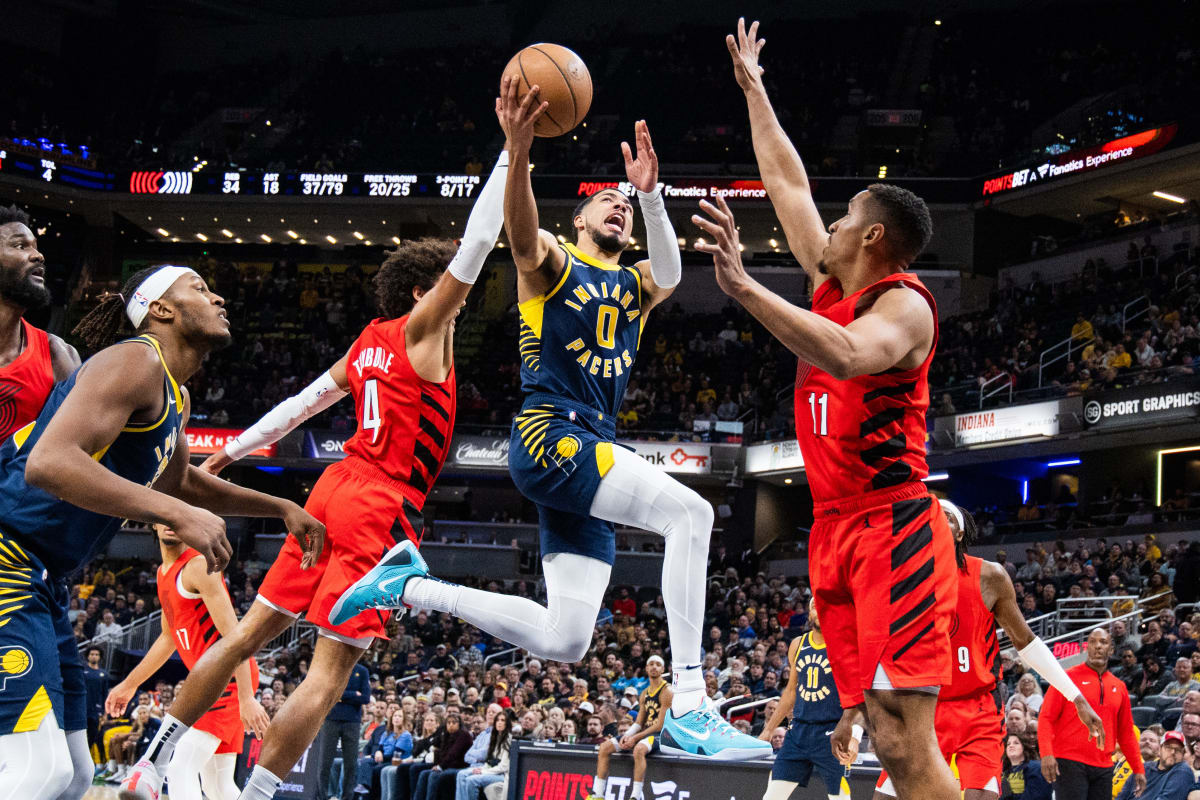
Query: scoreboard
303	184
53	170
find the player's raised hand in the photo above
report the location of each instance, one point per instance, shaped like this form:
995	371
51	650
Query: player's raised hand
516	114
216	462
744	50
725	250
255	718
641	171
205	531
1090	720
308	530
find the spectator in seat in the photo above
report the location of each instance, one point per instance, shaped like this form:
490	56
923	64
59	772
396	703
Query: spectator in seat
1183	681
1169	779
1191	705
1154	679
1128	671
624	604
1028	692
1022	775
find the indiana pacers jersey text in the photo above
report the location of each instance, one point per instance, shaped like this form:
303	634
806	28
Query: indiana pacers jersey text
580	339
806	747
816	694
578	344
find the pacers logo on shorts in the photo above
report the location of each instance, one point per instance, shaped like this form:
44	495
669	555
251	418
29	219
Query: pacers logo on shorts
564	453
14	662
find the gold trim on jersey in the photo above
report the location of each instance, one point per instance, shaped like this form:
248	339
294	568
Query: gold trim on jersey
585	258
21	434
176	393
16	579
532	424
35	711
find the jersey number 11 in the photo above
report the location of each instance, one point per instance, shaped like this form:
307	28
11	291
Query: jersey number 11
820	426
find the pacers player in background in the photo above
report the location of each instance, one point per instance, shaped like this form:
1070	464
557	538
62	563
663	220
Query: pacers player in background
812	699
582	314
642	736
400	372
196	612
970	716
104	437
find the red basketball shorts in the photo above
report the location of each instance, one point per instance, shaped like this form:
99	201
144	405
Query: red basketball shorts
360	507
224	719
970	734
882	573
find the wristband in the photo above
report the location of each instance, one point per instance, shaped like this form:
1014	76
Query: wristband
633	729
1037	656
285	417
856	733
483	226
666	265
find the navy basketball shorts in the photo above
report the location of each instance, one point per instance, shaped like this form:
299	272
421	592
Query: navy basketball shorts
806	747
558	453
40	670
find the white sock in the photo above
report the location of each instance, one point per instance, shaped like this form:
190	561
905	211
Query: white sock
261	786
688	688
169	733
636	794
111	765
598	785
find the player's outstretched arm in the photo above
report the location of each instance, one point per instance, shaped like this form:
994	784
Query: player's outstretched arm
530	245
662	270
779	164
120	695
787	699
284	418
899	323
198	488
441	304
1033	651
119	384
211	588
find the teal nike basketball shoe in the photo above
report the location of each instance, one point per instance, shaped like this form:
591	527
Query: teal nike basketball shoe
705	733
383	586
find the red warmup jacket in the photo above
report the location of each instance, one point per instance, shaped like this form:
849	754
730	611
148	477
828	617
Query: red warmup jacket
1062	735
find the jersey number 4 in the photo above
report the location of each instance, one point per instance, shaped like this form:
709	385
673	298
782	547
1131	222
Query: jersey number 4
370	413
821	419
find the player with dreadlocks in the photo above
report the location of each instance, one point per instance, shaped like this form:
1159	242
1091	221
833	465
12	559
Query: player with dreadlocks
107	445
969	718
400	372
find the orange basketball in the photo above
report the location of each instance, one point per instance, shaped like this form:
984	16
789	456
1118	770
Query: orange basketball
563	80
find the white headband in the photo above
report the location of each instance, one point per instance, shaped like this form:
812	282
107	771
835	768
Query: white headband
955	512
151	289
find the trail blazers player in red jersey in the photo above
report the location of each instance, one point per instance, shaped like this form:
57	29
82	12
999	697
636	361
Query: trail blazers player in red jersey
400	372
196	612
970	714
881	557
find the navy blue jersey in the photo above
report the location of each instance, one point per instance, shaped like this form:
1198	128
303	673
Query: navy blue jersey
62	536
816	695
579	340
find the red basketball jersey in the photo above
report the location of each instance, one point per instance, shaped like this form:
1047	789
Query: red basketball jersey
404	421
866	433
972	639
184	613
26	382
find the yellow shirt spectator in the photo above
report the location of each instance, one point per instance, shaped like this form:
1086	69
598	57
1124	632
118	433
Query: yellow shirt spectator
1082	330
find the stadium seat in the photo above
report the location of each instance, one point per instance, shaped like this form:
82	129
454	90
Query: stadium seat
1144	716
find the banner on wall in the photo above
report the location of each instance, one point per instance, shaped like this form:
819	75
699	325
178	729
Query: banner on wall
773	456
692	458
203	441
1143	406
1002	424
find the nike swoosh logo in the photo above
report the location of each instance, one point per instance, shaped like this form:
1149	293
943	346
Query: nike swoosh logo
1086	683
829	733
383	585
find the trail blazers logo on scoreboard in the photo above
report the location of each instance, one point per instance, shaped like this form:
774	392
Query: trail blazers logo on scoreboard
160	182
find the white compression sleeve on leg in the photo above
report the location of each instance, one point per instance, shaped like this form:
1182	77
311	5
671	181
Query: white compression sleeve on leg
635	493
217	777
561	630
1037	656
666	266
283	418
483	225
192	753
35	765
83	770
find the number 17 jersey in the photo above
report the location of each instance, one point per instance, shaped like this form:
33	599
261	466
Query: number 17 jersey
404	421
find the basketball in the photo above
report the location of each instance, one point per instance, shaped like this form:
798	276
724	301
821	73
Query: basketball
15	662
563	80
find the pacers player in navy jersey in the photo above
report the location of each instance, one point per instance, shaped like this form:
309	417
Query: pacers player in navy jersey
108	445
812	698
582	315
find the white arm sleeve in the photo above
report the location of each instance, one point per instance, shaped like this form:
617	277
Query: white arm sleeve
483	225
283	418
666	267
1037	656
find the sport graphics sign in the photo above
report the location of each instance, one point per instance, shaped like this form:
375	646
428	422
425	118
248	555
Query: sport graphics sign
558	772
1144	405
1002	424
